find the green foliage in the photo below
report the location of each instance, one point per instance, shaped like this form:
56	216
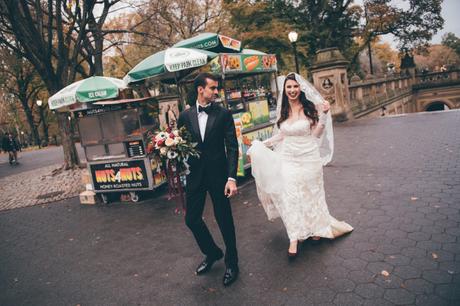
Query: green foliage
451	41
265	24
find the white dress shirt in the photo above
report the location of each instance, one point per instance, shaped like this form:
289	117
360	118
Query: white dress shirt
202	121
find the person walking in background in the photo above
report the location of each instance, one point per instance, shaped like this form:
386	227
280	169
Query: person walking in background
10	145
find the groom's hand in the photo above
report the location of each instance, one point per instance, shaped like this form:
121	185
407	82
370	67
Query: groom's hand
230	189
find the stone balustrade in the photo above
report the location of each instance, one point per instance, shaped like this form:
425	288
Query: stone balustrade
371	93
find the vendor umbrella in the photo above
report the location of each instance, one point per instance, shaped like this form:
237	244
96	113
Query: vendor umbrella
166	63
88	90
211	42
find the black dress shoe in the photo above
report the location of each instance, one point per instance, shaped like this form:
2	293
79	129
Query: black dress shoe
206	264
231	274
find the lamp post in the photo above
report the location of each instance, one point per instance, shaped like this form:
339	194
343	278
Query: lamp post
42	119
293	39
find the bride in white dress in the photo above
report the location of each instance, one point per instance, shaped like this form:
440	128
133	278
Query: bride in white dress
289	178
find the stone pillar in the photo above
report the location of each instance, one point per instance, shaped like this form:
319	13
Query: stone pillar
329	72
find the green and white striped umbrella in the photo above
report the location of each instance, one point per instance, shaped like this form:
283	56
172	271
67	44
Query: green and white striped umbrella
165	63
88	90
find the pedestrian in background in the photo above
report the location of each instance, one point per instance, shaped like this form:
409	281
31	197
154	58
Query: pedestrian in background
10	145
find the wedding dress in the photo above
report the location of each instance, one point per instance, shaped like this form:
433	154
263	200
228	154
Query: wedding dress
289	182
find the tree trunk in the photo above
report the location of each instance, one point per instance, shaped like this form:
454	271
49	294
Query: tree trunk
45	132
98	63
44	125
71	159
30	121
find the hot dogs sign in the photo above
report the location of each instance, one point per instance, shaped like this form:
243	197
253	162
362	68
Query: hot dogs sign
248	63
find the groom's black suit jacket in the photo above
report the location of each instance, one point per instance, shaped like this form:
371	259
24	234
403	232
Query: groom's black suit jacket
218	152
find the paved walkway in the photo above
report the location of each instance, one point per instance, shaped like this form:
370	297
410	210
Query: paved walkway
396	180
39	186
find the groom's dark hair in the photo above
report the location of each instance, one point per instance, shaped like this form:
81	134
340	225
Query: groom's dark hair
201	80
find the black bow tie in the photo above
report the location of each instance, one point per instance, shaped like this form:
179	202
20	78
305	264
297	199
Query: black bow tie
206	109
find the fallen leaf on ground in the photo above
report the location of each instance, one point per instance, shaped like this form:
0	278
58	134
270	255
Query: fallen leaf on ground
385	273
434	255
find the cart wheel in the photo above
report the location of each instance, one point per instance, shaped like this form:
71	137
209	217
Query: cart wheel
134	197
104	198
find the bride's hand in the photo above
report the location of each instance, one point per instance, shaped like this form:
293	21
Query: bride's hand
326	107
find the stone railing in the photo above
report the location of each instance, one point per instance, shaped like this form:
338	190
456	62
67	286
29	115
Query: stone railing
374	92
436	79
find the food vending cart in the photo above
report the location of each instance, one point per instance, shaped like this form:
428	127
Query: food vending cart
248	89
114	135
114	128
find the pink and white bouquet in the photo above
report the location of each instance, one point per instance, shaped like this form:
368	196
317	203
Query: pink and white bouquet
174	147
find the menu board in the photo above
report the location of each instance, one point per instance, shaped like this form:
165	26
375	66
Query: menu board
239	137
247	63
261	135
244	142
259	110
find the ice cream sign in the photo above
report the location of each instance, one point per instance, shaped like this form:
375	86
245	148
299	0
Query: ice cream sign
97	94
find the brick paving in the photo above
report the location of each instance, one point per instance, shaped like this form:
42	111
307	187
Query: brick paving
39	186
395	180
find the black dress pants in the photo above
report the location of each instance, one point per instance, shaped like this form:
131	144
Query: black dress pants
222	212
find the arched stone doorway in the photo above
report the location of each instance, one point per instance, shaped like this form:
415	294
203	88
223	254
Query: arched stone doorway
436	106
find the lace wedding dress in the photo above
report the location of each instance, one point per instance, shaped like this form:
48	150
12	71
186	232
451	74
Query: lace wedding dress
289	182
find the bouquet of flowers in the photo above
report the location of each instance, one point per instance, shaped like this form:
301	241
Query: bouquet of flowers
173	147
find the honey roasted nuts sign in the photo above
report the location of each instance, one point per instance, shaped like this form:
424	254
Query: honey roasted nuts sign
120	175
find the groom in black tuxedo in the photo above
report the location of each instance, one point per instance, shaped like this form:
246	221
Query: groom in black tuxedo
212	127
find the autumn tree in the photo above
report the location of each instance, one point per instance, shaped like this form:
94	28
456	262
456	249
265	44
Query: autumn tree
435	56
155	25
321	24
413	22
20	80
62	41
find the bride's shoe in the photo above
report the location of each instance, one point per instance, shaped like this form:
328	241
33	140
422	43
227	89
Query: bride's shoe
292	256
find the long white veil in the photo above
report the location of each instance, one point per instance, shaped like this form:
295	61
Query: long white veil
326	141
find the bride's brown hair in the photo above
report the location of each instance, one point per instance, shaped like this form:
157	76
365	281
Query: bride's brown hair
309	108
